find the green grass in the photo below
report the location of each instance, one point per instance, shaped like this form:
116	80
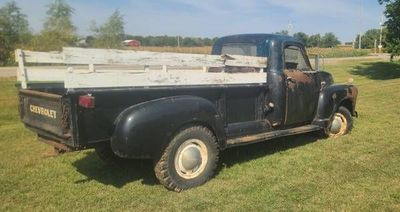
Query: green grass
358	172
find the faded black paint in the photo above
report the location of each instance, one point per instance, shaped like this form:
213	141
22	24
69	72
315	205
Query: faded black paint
139	121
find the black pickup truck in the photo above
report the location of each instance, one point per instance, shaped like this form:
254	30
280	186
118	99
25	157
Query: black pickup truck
183	127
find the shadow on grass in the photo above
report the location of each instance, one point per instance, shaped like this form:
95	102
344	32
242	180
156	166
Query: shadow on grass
378	70
116	175
133	170
246	153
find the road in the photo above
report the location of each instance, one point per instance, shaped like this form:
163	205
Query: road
8	71
11	71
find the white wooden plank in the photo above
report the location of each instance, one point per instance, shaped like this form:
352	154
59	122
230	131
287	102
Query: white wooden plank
58	74
112	56
85	78
48	74
104	78
42	57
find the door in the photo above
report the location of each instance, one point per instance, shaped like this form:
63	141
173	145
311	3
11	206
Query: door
301	87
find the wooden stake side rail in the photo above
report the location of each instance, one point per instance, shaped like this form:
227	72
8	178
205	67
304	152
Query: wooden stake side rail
123	68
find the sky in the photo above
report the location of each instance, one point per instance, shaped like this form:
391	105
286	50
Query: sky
215	18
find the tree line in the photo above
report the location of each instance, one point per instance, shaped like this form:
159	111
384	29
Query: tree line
58	31
166	40
328	40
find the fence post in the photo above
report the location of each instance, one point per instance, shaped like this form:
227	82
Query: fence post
21	73
317	62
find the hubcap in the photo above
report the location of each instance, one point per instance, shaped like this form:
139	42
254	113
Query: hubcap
191	158
338	126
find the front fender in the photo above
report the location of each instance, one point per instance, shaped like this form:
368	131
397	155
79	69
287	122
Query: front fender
331	98
142	130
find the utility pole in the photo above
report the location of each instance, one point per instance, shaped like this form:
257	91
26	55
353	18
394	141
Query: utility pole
179	42
380	36
361	21
290	28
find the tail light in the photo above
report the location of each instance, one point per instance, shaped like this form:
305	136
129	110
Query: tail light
87	101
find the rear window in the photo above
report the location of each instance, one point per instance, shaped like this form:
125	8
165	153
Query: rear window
246	49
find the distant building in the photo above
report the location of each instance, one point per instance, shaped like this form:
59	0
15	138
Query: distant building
131	43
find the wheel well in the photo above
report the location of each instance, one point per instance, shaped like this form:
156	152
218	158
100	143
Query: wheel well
198	123
347	103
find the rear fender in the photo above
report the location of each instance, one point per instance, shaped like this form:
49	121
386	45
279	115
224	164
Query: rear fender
142	130
331	98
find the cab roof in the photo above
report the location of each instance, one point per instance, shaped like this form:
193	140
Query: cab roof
253	38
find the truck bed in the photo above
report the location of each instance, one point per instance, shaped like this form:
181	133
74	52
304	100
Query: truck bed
49	97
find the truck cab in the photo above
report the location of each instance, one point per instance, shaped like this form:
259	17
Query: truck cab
294	90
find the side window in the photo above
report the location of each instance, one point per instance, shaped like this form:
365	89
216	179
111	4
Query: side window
294	59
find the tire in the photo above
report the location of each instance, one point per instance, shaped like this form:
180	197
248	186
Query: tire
341	124
189	160
106	154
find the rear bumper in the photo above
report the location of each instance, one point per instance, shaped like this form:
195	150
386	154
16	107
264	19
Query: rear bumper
63	143
56	144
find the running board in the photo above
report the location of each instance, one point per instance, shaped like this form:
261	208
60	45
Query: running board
270	135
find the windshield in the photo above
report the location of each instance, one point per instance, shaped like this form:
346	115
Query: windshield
246	49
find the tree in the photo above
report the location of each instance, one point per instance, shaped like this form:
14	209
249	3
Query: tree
329	40
369	37
301	36
282	32
392	13
314	40
14	31
58	30
111	33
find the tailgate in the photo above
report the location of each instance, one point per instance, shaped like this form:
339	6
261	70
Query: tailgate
45	112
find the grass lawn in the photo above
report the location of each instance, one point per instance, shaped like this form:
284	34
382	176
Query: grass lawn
360	171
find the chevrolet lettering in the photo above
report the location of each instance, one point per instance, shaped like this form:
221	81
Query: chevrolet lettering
43	111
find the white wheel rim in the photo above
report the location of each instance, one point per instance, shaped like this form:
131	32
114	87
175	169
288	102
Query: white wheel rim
339	123
191	158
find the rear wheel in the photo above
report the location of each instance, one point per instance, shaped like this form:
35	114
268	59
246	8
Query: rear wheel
341	124
189	160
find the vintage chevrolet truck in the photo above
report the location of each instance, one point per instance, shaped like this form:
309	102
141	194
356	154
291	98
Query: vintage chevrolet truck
180	109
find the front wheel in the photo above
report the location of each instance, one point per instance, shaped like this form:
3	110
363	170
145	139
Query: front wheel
342	123
189	160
